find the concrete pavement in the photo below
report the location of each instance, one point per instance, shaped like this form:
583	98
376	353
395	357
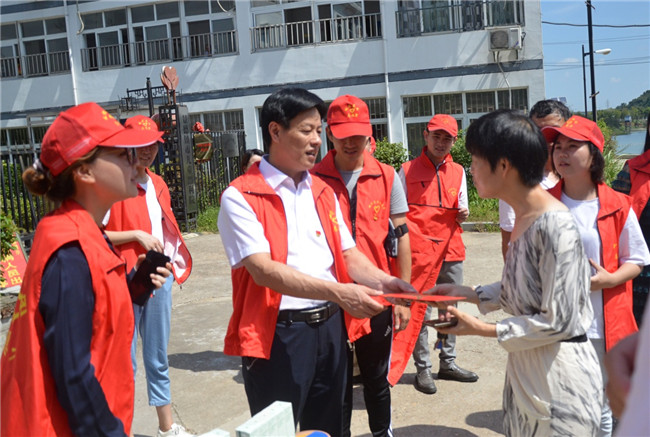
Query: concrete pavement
207	386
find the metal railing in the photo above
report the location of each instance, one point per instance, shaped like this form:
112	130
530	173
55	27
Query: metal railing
40	64
161	50
466	16
324	31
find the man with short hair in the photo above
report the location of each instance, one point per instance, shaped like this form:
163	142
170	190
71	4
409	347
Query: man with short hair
436	189
543	113
370	196
293	261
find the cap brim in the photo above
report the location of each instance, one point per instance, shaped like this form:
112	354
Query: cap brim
446	129
132	138
345	130
551	133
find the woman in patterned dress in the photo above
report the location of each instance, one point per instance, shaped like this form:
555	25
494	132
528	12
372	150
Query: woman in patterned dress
553	384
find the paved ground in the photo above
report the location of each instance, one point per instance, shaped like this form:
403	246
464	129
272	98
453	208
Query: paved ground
207	387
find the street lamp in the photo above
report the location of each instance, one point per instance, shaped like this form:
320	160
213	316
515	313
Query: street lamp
593	80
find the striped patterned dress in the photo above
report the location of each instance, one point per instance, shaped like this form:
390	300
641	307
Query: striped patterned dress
553	385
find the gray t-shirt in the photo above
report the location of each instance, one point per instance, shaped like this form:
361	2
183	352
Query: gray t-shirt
398	204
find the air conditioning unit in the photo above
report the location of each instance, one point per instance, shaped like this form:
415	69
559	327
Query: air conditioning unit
507	38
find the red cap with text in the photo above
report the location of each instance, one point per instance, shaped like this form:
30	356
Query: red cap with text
443	122
579	129
141	122
78	130
348	116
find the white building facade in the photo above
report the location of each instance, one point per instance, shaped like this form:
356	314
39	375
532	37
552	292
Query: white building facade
407	59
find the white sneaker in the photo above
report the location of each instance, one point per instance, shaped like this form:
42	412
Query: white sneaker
175	430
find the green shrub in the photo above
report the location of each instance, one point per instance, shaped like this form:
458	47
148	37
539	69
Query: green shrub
207	220
8	232
612	164
393	154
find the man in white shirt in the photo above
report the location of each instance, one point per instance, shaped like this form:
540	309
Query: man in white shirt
543	113
293	262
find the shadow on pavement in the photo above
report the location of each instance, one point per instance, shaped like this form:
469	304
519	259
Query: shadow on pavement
429	430
492	420
206	361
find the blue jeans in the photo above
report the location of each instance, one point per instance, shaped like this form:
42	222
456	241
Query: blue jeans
153	321
450	273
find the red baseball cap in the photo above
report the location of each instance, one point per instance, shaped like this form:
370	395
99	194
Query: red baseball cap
348	116
78	130
443	122
143	123
579	129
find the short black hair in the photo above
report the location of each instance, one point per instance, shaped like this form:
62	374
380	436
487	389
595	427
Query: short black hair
248	154
511	135
284	105
546	107
646	146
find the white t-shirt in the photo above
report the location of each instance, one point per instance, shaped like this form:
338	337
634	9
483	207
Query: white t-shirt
507	214
631	248
242	234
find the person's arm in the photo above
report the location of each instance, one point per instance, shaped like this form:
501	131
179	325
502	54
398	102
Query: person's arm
353	298
622	183
463	202
619	363
146	240
403	249
632	255
66	305
505	242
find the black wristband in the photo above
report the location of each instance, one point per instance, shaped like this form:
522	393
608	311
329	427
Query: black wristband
401	230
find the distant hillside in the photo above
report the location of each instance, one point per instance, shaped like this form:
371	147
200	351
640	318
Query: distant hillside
643	101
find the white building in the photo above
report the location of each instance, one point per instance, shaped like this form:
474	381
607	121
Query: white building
408	59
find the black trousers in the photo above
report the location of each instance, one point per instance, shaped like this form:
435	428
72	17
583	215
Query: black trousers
373	357
307	367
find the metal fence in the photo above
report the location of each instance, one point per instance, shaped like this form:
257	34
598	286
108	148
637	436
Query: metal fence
324	31
161	50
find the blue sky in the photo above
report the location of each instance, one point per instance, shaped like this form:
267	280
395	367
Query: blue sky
620	76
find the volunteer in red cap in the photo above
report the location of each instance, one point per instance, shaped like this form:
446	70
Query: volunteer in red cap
293	266
136	225
610	233
436	189
66	367
370	195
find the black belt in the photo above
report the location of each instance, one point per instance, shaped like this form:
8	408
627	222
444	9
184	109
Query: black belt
309	315
577	339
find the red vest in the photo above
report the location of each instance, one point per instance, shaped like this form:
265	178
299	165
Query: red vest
429	192
373	211
255	308
373	203
133	214
29	404
640	181
617	301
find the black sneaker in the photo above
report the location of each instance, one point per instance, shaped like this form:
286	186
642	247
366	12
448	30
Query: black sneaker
455	373
424	382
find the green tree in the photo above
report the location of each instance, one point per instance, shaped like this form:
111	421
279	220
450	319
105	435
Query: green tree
393	154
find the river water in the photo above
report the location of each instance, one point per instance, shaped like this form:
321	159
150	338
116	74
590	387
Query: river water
631	144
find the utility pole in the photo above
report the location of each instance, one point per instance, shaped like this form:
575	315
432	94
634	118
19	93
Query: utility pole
591	61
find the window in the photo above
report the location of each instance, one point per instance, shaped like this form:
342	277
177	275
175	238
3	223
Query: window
33	28
141	14
222	121
55	25
194	7
415	137
480	102
519	99
418	106
378	117
43	54
448	103
504	12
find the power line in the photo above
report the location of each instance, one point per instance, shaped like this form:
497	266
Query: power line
623	38
596	25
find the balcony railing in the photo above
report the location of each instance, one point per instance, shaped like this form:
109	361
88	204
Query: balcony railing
162	50
325	31
40	64
467	16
